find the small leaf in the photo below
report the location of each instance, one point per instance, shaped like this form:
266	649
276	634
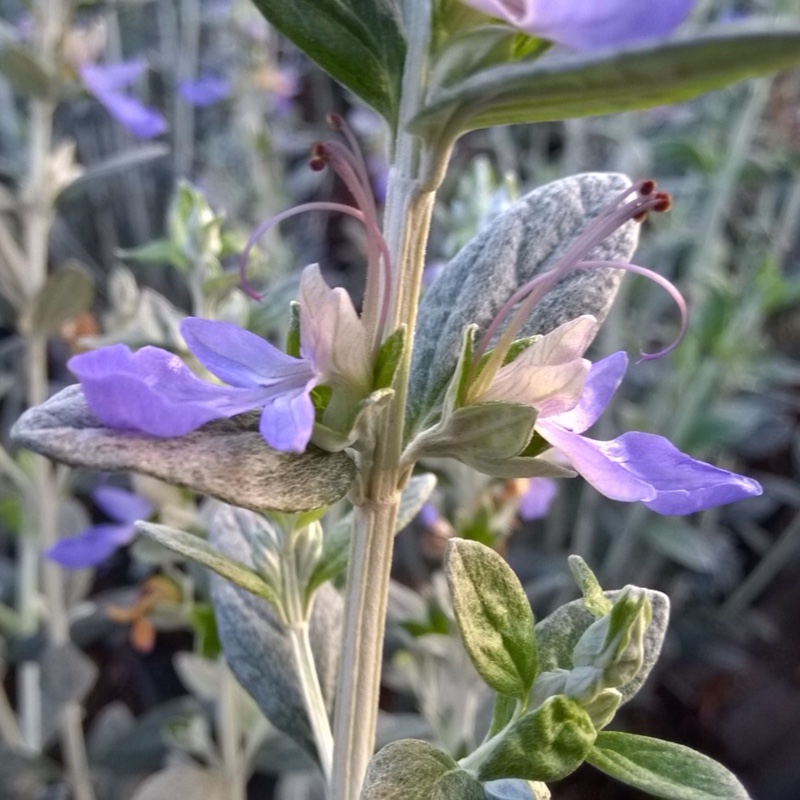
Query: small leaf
580	85
593	598
67	293
388	359
227	459
196	549
493	616
663	769
359	42
558	633
524	241
159	251
543	745
407	769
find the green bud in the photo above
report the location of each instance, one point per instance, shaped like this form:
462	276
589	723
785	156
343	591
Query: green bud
601	709
614	644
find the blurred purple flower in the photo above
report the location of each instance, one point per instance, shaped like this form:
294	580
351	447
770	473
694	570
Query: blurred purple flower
98	542
153	391
106	83
589	24
539	496
205	91
637	466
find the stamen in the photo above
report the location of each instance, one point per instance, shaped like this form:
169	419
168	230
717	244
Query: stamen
633	203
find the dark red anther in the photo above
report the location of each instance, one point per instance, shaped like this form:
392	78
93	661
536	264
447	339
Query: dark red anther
640	217
646	187
662	202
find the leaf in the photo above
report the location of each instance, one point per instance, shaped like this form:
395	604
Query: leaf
256	646
663	769
388	358
359	42
227	459
521	243
502	710
336	544
159	251
493	616
580	85
593	598
457	785
558	633
197	549
405	770
66	293
25	72
543	745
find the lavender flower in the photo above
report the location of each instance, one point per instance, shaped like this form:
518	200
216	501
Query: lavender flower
106	83
154	392
205	91
538	497
637	466
589	24
98	542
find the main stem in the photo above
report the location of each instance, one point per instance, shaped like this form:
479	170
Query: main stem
407	222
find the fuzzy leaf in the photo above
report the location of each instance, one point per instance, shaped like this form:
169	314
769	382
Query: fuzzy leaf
406	769
493	616
663	769
359	42
227	459
543	745
609	81
197	549
517	245
256	647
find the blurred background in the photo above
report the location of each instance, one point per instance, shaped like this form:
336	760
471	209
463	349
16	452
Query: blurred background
136	165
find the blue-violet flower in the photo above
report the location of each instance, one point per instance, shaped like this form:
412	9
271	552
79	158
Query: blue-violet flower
589	24
98	542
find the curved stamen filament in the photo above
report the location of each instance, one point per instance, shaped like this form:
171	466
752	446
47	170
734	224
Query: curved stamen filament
619	211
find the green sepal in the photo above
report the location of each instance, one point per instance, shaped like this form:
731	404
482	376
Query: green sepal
359	42
411	769
663	769
607	82
494	617
543	745
333	441
293	335
196	549
388	359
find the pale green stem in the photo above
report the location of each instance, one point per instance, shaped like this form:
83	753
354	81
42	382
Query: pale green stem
297	631
229	734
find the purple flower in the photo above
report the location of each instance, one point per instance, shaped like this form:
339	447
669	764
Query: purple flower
205	91
637	466
154	392
106	83
538	497
98	542
589	24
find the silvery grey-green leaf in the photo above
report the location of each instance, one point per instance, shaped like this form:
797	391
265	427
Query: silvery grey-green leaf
227	459
256	647
521	243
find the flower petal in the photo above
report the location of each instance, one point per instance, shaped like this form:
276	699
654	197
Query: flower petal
241	358
602	464
287	422
121	505
91	547
536	502
153	391
101	78
646	467
602	381
205	91
332	337
587	25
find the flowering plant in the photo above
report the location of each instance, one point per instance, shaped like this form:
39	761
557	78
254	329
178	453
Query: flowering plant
488	368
